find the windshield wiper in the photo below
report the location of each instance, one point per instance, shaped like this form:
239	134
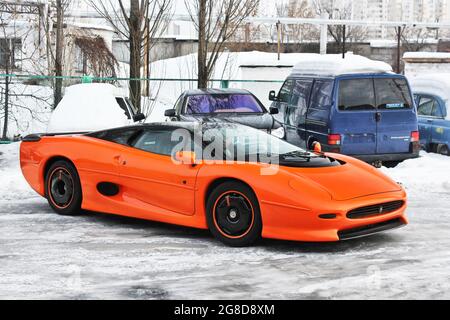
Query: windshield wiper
297	154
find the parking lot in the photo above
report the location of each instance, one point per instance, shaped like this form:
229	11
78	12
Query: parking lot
97	256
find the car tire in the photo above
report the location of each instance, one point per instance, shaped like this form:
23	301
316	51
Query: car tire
443	150
233	214
63	188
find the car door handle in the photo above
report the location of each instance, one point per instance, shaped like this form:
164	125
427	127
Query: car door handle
430	121
119	160
378	116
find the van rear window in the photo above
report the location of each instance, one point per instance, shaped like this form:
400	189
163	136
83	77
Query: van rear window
392	94
371	94
356	94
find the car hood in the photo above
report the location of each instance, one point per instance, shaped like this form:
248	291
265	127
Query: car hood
258	121
349	181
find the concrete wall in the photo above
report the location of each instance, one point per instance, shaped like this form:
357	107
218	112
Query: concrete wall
171	48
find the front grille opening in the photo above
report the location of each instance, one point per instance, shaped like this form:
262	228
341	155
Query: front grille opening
375	210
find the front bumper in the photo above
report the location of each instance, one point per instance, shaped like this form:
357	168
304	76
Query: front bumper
386	157
372	229
305	224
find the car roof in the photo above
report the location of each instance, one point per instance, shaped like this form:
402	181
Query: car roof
215	91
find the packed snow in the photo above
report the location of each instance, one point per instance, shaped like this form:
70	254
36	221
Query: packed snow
96	256
334	64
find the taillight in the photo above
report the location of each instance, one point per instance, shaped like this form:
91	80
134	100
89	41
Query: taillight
415	136
334	139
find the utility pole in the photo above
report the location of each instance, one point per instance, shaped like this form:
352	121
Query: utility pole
344	38
279	40
59	53
399	48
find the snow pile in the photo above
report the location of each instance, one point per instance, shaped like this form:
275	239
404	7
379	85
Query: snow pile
87	107
253	65
12	182
436	84
334	64
429	173
427	55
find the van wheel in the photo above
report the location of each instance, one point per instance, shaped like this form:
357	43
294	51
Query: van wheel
443	149
233	214
63	188
391	164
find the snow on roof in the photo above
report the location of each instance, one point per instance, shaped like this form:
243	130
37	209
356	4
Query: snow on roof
87	107
426	55
437	84
268	59
334	64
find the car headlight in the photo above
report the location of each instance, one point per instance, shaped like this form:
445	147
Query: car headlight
279	133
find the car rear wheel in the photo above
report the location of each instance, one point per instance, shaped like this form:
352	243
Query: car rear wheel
233	214
63	188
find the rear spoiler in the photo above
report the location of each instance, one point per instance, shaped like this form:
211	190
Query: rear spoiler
37	137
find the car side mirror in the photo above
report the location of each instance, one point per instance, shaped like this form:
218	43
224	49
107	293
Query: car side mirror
273	96
170	113
186	157
139	117
274	111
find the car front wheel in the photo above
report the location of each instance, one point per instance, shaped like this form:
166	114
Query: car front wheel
233	214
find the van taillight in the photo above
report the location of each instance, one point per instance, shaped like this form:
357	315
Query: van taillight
415	136
334	139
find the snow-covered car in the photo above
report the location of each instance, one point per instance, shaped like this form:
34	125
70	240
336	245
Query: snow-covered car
225	105
432	95
93	106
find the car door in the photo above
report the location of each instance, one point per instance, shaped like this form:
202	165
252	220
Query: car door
150	175
296	112
425	109
318	115
396	115
440	126
284	98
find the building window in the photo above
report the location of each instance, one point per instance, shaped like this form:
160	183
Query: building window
10	53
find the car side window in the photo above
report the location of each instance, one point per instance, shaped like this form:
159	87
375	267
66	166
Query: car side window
285	92
158	141
121	136
300	98
322	94
179	104
427	106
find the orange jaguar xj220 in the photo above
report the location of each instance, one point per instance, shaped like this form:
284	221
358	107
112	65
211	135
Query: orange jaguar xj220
265	188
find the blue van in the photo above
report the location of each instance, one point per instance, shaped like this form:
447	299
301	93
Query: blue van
370	116
432	98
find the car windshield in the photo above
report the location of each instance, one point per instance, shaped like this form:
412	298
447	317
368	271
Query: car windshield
236	142
222	103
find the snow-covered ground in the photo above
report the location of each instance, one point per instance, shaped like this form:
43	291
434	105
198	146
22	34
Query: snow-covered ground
43	255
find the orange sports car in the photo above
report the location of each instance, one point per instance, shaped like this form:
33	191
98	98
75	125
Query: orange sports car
236	181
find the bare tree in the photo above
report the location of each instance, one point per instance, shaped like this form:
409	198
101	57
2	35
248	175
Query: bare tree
298	9
342	12
216	22
140	22
17	100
